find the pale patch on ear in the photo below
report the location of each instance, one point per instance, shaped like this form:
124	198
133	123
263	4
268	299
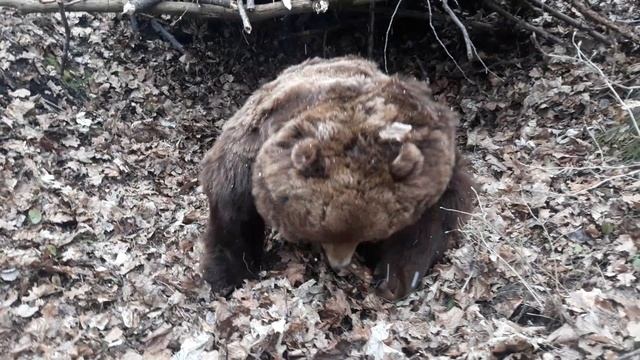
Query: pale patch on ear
326	131
408	161
305	153
395	131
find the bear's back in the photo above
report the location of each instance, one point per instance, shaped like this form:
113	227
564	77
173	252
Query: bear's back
303	86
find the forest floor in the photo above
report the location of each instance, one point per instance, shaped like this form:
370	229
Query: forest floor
101	212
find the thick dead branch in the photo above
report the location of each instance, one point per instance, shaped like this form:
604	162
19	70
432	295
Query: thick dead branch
594	16
134	6
521	23
262	11
167	35
569	20
225	3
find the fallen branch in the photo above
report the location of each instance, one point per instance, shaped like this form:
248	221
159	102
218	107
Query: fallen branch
67	37
594	16
262	11
523	24
569	20
224	3
167	35
134	6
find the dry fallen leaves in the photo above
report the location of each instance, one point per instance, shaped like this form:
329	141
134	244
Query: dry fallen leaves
101	216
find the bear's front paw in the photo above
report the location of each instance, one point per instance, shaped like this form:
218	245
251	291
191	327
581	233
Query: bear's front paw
394	280
225	273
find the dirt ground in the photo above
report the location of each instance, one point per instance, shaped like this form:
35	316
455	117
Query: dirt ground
101	213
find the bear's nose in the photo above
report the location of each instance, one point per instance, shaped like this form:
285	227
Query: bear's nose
338	264
339	254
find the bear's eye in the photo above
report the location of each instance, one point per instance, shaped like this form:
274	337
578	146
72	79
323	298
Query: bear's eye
350	146
296	134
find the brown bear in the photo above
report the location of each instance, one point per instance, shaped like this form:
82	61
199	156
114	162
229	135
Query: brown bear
335	152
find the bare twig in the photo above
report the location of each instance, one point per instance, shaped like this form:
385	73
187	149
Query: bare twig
246	24
386	37
476	26
630	355
595	141
471	49
460	25
67	37
604	77
523	24
372	19
551	244
167	35
435	33
602	182
571	21
594	16
483	218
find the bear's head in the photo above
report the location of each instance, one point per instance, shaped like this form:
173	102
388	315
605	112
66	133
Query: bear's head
353	170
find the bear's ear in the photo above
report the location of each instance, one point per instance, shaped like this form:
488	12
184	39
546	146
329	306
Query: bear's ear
305	153
409	161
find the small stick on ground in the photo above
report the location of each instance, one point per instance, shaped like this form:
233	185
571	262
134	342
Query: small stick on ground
67	37
167	35
246	25
605	78
465	34
372	19
594	16
523	24
571	21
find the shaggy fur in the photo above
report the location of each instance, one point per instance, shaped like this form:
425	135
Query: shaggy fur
335	152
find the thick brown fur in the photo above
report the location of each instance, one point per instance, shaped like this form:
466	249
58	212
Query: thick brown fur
338	153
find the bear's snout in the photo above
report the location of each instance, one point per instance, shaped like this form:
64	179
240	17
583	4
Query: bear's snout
339	254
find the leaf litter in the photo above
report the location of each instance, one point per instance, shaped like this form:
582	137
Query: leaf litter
101	216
